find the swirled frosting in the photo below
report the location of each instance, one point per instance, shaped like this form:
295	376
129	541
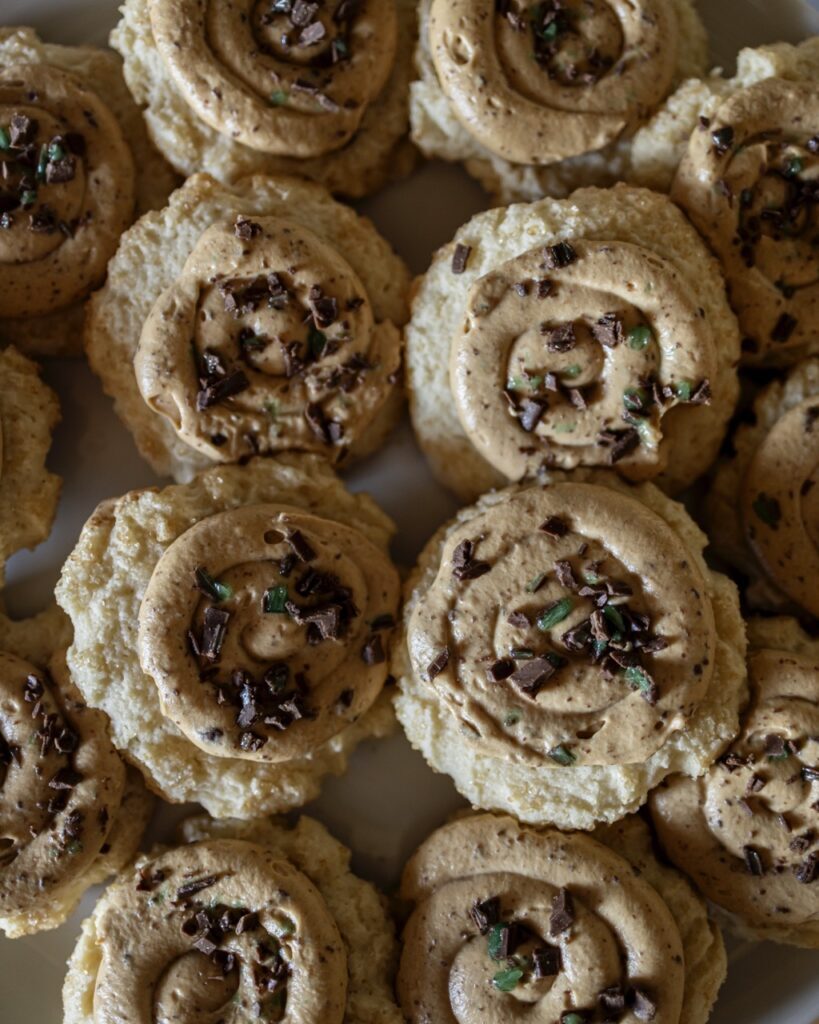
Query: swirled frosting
66	192
566	625
222	930
266	630
582	354
266	341
514	923
748	830
61	784
538	82
749	182
287	77
780	503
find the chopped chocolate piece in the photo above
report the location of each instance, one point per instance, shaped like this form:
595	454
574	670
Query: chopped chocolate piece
753	861
312	34
191	888
810	773
642	1006
519	620
577	399
612	1003
608	330
301	547
221	388
460	258
57	172
701	395
531	676
722	139
247	922
438	664
22	129
755	783
783	328
559	255
214	629
561	338
808	870
546	961
565	574
65	778
554	526
531	412
251	741
149	880
246	229
329	431
372	653
623	445
485	913
562	916
731	761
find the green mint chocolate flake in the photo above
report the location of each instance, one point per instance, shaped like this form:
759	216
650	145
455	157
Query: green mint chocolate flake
275	599
505	981
215	590
615	618
494	940
535	582
562	755
638	680
554	614
278	98
683	390
572	371
512	718
5	141
639	336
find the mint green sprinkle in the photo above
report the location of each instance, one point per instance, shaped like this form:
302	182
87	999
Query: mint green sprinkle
794	166
535	583
639	337
683	390
562	755
278	98
505	981
615	618
275	599
494	940
554	614
638	680
215	590
572	371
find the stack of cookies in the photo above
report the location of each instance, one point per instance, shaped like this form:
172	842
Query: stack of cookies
612	649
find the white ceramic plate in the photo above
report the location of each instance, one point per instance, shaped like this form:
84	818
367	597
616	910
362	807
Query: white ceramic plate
389	800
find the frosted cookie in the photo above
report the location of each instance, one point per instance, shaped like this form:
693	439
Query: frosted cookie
763	504
747	832
253	318
260	916
566	648
71	814
590	331
560	924
318	90
77	166
29	412
538	98
747	154
236	630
